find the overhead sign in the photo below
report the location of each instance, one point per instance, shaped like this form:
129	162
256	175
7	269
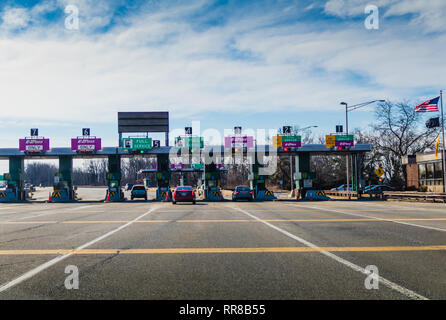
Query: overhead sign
143	122
188	130
379	172
339	128
137	143
239	142
156	143
86	144
86	131
189	142
286	129
330	141
34	144
344	140
34	132
287	141
177	166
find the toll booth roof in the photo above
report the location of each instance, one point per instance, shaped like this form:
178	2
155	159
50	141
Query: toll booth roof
54	153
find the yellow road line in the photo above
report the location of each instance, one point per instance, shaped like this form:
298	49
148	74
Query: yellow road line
222	220
223	250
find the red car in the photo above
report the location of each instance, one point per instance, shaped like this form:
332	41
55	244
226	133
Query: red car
183	194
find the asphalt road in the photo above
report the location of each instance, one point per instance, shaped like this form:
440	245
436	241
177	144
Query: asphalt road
270	250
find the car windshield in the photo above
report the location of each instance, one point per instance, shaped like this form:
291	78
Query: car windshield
139	188
242	189
184	188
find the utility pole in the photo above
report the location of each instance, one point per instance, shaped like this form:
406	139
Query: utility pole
443	152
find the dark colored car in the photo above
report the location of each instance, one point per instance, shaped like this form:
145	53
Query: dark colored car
242	192
183	194
378	189
138	191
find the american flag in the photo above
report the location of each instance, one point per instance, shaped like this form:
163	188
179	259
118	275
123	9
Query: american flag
428	106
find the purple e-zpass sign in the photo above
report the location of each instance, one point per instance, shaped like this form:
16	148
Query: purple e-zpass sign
86	144
239	142
344	144
34	144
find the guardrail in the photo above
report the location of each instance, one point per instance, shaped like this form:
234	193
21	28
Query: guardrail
416	196
355	195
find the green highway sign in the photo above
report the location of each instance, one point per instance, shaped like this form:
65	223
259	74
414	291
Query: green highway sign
137	143
196	165
344	137
189	142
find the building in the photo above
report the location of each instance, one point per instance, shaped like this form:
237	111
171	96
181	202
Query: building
424	171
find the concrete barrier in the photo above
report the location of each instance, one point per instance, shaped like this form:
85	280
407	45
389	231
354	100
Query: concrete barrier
316	195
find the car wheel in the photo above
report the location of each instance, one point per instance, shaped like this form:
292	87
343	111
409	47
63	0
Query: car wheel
193	202
132	198
174	202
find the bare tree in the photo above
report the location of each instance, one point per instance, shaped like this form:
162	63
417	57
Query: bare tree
398	131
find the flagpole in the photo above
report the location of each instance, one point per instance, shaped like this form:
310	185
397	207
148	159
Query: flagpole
443	151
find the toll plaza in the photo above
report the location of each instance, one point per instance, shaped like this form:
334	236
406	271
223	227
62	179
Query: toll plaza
206	160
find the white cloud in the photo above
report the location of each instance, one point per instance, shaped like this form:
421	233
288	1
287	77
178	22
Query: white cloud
15	18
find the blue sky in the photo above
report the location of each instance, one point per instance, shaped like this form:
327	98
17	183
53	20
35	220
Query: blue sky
259	64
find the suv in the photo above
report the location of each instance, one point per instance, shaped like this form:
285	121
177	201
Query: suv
138	191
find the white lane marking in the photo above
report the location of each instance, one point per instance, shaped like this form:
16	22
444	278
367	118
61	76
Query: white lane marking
396	207
52	262
57	210
86	207
407	292
370	217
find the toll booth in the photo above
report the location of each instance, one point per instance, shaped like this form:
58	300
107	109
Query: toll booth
163	191
14	190
257	182
114	191
14	181
211	182
63	183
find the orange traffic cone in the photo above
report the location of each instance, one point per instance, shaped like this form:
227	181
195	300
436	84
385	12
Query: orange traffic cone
50	198
108	196
311	197
167	196
221	196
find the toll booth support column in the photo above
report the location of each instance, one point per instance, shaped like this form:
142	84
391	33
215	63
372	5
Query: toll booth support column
114	192
302	172
66	176
16	176
212	177
360	183
163	177
258	181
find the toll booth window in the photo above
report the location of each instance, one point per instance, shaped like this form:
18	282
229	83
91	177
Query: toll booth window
438	170
421	171
430	171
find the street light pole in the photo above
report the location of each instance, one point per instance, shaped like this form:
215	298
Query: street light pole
347	110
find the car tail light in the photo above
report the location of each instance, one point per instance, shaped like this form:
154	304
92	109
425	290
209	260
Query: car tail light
250	192
193	194
237	192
